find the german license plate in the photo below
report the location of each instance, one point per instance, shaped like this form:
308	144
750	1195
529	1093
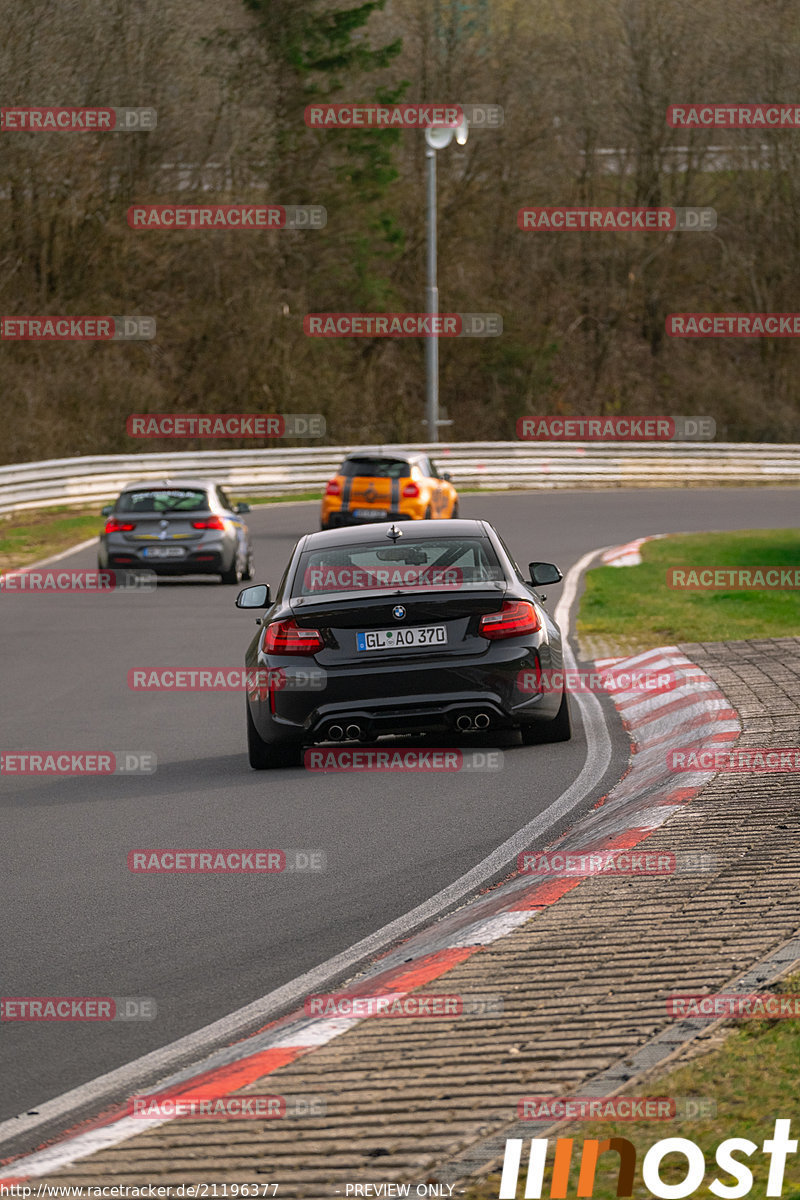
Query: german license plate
164	552
389	639
370	514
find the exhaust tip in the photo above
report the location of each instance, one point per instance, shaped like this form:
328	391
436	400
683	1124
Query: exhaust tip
482	721
353	731
463	722
336	732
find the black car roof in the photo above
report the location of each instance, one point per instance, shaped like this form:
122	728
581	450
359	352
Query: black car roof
377	532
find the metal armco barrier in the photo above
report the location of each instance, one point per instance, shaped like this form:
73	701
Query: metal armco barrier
491	465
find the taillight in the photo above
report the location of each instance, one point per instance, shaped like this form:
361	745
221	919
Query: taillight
209	523
514	618
410	491
333	488
286	637
115	526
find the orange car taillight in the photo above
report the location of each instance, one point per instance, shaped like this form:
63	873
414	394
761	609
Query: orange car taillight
410	491
333	488
209	523
515	617
286	637
114	526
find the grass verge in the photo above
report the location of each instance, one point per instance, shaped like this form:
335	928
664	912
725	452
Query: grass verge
635	604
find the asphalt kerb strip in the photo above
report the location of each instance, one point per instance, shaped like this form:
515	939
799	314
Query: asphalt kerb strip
583	966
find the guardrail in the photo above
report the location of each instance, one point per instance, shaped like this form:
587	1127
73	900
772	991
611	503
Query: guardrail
490	465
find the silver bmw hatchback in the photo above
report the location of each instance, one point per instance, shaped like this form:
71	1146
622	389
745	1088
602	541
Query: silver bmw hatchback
177	527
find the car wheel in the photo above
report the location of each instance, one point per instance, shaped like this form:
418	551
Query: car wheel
263	756
428	513
557	730
235	574
249	570
454	513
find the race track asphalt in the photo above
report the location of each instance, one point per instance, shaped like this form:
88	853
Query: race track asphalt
76	922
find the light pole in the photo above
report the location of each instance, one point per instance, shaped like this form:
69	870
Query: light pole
437	138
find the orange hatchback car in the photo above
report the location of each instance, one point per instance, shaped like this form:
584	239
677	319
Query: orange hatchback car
387	487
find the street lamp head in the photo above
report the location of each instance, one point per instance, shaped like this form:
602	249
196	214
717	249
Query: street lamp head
439	136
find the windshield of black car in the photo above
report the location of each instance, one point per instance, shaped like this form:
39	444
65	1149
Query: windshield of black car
438	563
163	500
376	468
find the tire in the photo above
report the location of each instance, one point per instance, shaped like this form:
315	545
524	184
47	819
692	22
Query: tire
557	730
249	572
454	513
428	513
265	757
234	575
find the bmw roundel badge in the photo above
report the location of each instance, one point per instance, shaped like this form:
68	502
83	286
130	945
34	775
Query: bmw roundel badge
398	612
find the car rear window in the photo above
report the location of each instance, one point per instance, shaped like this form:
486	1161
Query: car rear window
436	563
377	468
163	500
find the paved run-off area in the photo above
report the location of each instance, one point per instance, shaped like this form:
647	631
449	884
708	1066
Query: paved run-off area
583	981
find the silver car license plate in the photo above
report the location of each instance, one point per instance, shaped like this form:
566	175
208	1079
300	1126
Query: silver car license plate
164	552
388	639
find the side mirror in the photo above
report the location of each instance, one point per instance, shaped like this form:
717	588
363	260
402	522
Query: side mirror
254	597
446	475
542	573
106	510
241	508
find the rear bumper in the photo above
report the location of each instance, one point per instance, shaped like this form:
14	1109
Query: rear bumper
202	560
340	520
408	699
